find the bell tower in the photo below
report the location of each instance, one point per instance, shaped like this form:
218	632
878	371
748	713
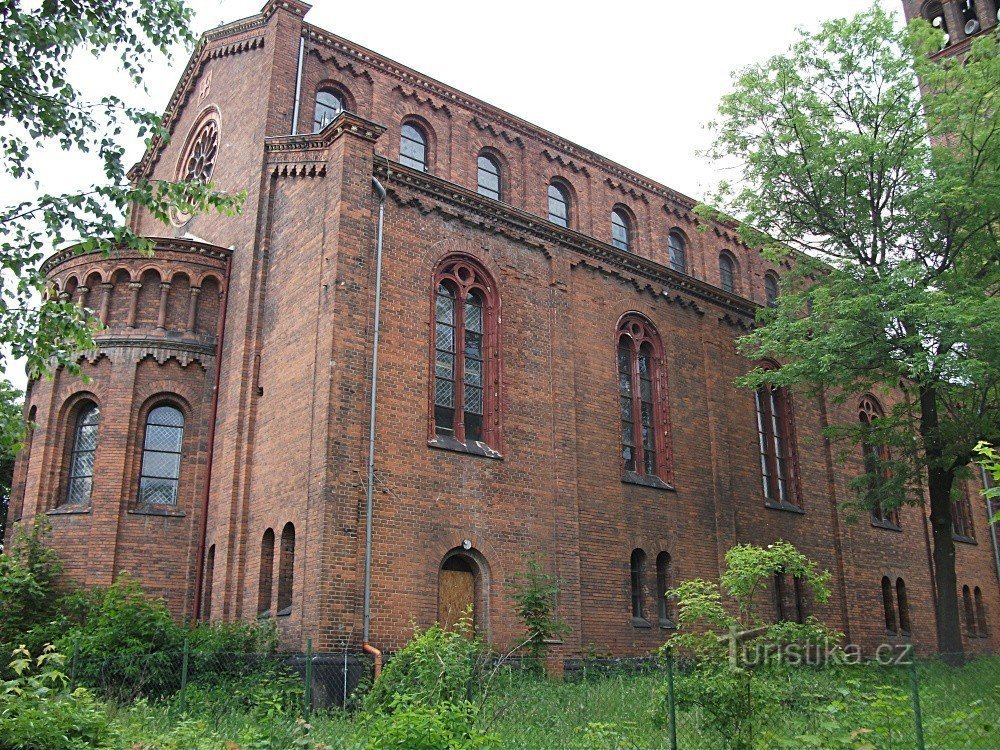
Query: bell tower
960	20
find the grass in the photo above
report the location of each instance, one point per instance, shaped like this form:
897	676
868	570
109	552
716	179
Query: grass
850	707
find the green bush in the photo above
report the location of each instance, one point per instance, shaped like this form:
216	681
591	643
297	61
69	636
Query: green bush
411	725
39	712
436	666
28	572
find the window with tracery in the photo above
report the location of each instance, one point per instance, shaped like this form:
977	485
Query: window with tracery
642	398
200	162
466	367
876	460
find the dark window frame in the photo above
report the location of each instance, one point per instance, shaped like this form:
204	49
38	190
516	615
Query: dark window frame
637	587
324	112
622	232
771	290
677	251
889	606
408	160
87	414
144	476
286	571
663	584
563	198
728	274
869	410
265	576
486	189
776	447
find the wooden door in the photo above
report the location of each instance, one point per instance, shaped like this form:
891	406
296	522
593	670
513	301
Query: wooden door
456	594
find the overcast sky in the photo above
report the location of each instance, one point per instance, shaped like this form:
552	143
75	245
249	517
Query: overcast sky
633	81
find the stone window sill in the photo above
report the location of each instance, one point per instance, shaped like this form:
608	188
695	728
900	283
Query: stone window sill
157	510
667	625
787	507
631	477
68	510
887	526
964	539
474	447
641	622
283	612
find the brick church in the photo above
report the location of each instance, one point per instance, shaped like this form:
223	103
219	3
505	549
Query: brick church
553	365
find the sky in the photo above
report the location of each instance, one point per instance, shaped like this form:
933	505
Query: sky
633	81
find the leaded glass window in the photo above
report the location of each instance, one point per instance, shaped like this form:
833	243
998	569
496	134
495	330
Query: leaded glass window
775	441
328	106
465	379
727	272
678	253
621	230
488	180
413	147
81	461
558	205
876	458
161	456
641	411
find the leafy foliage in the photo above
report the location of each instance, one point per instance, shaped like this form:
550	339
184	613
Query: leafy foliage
11	401
535	594
884	202
28	572
989	459
414	725
38	711
39	107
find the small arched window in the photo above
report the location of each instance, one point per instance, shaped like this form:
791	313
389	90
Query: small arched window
969	15
663	583
642	398
678	252
206	596
329	104
970	613
903	605
466	376
771	289
621	230
266	572
488	177
888	606
780	597
984	630
286	569
558	204
81	459
727	272
161	456
413	147
637	574
876	459
776	441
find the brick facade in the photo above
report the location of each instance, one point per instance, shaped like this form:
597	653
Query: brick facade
286	502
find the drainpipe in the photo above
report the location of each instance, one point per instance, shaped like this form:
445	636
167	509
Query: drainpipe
199	580
298	87
993	526
370	485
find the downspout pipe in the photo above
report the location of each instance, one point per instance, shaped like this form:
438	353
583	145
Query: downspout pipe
370	483
298	87
199	576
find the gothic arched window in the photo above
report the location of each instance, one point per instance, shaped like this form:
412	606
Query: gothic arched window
81	458
970	613
413	147
771	289
642	399
727	272
286	569
265	577
637	583
161	456
621	230
888	606
329	104
663	583
903	605
984	630
488	177
876	458
466	359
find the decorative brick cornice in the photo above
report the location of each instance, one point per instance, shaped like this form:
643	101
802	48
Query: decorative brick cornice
341	66
626	190
305	155
564	162
115	347
435	194
163	244
497	133
410	93
297	7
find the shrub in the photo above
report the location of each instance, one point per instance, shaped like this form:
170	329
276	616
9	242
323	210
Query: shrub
39	712
535	593
28	572
436	666
412	725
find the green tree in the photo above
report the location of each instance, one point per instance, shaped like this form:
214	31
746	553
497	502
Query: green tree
28	574
989	459
11	399
535	593
41	108
886	200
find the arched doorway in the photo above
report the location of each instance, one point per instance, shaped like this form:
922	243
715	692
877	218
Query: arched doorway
461	590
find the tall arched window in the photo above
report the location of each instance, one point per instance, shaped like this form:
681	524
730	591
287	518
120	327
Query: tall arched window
558	204
984	630
903	605
329	104
961	515
466	360
642	398
876	458
637	574
161	456
771	289
264	579
621	230
488	177
780	597
776	442
81	459
413	147
888	606
727	272
970	613
678	252
206	596
286	569
663	583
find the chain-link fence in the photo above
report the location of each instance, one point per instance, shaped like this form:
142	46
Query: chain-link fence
648	704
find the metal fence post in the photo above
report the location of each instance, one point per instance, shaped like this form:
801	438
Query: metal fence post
671	703
184	675
307	702
72	664
915	690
